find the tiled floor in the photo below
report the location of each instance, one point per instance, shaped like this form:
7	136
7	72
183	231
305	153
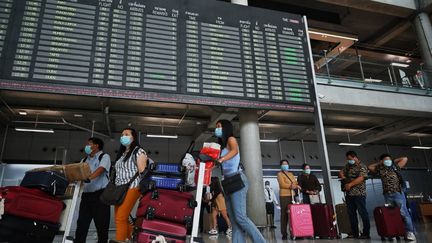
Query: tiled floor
424	234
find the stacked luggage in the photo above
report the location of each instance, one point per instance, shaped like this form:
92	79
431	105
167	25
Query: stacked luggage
165	208
31	210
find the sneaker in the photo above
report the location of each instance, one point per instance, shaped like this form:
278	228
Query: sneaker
229	231
364	237
410	236
213	232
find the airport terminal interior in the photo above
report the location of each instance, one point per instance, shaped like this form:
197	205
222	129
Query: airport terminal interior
300	80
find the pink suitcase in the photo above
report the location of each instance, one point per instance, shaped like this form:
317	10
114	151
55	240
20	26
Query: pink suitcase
300	221
147	230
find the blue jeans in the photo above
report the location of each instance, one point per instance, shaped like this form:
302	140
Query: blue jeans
354	204
398	199
236	206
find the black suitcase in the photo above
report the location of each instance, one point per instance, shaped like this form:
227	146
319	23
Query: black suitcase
49	181
15	229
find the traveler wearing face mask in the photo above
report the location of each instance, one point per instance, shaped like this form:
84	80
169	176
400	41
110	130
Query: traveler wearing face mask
270	199
355	173
309	184
131	159
91	208
287	185
393	187
236	201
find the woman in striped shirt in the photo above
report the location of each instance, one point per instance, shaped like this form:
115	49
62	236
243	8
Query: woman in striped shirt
131	159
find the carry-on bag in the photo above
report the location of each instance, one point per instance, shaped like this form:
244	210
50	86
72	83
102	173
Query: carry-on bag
300	220
389	222
147	230
31	203
72	172
151	182
168	205
49	181
167	169
342	218
324	221
15	229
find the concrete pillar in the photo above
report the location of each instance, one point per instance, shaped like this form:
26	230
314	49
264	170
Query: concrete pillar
423	28
250	156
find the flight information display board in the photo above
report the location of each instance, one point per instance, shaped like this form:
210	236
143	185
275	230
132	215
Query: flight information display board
189	51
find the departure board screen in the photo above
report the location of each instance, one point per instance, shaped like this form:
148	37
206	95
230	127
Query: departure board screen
187	51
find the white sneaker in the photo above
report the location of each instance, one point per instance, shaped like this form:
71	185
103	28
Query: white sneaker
229	231
410	236
213	232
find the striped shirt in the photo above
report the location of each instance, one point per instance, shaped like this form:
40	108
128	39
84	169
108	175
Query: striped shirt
125	170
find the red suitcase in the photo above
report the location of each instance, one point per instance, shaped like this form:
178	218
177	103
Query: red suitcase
147	230
300	221
168	205
389	222
31	203
324	221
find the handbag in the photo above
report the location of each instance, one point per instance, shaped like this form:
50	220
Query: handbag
232	183
115	194
314	199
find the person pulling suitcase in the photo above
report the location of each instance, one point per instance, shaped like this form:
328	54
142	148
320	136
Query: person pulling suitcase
393	187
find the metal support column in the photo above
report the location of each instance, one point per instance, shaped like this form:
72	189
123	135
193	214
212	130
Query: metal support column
319	128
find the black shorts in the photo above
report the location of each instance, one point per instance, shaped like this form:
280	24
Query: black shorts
270	208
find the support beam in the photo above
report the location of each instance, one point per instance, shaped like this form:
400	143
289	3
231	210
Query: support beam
394	130
398	8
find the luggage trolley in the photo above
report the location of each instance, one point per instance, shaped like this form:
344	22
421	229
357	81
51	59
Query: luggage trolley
78	189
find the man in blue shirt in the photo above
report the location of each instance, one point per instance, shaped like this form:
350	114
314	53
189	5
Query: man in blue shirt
91	208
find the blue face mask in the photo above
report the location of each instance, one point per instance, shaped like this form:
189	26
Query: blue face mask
284	167
351	161
125	140
87	149
388	162
307	171
218	132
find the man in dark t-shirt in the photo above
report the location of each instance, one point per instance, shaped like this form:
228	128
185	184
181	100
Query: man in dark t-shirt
393	185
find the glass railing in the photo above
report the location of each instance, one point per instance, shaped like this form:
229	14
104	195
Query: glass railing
371	73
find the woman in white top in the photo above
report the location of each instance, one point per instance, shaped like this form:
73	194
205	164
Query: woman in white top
131	159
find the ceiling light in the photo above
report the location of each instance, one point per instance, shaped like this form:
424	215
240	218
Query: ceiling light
421	147
22	113
269	140
372	80
34	130
78	115
396	64
350	144
161	136
331	35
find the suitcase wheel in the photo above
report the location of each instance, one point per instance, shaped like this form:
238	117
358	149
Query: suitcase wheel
188	221
155	195
150	214
192	203
151	185
181	188
152	166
